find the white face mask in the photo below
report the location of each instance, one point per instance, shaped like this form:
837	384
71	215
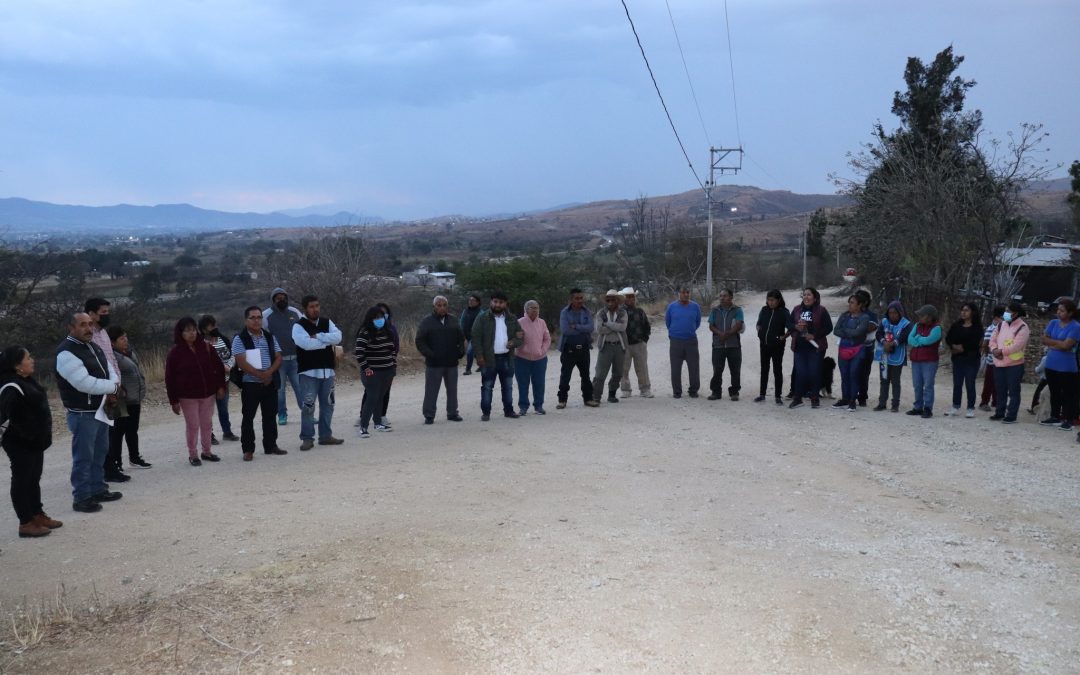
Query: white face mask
1007	317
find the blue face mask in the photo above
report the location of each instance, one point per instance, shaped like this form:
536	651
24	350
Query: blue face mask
1007	317
380	322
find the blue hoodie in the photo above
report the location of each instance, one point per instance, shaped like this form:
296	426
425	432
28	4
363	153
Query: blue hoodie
900	331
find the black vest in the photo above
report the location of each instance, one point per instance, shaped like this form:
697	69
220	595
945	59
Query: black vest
96	364
317	358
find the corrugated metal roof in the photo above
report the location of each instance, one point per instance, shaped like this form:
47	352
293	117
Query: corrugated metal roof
1037	257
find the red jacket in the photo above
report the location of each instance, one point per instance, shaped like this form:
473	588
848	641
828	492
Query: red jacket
193	373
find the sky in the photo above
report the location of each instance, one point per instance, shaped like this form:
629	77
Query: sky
406	109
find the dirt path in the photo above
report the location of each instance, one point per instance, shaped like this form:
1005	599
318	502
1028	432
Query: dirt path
654	535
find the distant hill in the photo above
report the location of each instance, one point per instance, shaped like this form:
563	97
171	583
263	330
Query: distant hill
23	216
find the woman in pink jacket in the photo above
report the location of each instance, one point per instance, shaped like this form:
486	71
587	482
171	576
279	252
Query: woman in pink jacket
530	359
1007	348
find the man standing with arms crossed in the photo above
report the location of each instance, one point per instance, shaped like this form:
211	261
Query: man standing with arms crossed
610	346
315	338
638	330
84	380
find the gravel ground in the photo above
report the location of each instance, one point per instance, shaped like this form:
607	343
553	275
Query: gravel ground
671	536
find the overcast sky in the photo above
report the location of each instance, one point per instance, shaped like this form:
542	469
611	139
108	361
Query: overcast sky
408	109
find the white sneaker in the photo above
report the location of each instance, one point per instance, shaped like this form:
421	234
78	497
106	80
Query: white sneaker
645	394
969	413
626	393
955	412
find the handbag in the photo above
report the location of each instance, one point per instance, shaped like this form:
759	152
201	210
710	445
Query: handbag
848	353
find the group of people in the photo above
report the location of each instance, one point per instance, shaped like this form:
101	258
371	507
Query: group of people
102	386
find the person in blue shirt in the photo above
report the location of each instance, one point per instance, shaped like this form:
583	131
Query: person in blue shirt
1061	337
682	318
575	341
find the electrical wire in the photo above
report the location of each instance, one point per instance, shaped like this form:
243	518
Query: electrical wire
693	93
661	96
731	65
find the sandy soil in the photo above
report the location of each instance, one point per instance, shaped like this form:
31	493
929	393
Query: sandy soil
654	535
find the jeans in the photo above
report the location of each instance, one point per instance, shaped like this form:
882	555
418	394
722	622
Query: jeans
469	356
850	372
89	449
773	356
125	429
864	372
610	357
730	356
500	369
434	378
258	397
989	391
922	380
223	413
316	390
26	482
289	374
571	358
375	392
530	372
964	372
1007	384
808	373
680	351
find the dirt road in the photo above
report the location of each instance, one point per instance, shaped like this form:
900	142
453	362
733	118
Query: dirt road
672	536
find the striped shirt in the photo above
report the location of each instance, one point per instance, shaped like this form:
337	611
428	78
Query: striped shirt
264	355
375	350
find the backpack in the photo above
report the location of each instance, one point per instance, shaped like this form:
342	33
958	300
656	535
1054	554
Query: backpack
236	374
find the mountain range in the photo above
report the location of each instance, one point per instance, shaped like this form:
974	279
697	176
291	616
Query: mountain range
26	217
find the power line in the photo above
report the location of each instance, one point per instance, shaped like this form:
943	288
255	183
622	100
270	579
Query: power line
731	65
686	68
661	96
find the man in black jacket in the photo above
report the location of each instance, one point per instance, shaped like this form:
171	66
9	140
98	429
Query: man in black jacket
442	342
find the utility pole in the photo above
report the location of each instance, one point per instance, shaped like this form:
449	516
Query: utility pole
805	237
717	156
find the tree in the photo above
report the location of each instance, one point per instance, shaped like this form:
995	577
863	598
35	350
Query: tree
336	266
546	279
934	198
1074	195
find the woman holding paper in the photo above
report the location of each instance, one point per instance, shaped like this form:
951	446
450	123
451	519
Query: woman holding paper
193	377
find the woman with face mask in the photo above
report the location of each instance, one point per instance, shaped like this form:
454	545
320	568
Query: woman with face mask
384	421
376	354
1007	347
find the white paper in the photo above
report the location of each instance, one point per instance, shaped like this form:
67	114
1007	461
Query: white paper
254	359
100	414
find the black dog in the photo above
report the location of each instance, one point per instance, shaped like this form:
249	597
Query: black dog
828	369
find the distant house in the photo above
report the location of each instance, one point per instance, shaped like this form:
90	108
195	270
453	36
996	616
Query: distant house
1045	272
137	263
421	276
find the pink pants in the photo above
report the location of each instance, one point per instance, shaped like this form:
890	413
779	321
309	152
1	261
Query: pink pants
198	414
